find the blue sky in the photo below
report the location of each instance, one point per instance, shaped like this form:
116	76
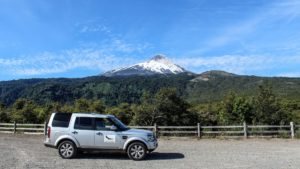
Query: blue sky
65	38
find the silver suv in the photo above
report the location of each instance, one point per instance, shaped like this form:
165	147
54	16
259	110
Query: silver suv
73	132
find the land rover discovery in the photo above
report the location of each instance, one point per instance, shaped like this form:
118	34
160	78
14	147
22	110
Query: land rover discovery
73	132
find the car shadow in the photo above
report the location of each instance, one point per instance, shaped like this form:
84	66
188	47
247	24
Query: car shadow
164	156
123	156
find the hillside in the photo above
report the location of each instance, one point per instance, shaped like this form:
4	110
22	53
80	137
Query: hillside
112	90
213	86
206	87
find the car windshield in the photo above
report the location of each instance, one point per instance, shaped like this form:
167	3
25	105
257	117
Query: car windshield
119	124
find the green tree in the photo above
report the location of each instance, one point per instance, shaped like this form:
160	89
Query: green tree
173	109
54	107
292	106
122	112
268	107
165	108
3	114
145	114
82	105
235	110
41	114
207	113
44	111
23	110
67	108
126	113
97	106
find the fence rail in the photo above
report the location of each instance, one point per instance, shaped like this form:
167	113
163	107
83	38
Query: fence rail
199	131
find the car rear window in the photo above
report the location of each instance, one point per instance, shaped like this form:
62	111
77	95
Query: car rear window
61	120
84	123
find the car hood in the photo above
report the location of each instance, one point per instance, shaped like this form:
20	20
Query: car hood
137	132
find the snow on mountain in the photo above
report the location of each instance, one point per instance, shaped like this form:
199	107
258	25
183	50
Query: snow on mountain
159	64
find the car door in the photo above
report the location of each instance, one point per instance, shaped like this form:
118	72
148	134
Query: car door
105	138
84	131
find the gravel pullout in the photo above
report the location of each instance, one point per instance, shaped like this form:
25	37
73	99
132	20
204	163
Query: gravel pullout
28	152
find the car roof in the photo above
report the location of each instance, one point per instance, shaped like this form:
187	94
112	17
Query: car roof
81	114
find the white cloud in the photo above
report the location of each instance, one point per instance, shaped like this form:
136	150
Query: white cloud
92	26
289	74
49	63
110	53
95	28
96	57
283	11
11	62
237	63
120	45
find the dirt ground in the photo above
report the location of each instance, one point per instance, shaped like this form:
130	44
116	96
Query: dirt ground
28	152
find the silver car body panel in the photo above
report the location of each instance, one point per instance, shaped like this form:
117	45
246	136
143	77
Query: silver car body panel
65	137
132	139
98	139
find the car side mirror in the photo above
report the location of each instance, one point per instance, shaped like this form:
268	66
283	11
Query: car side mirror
113	128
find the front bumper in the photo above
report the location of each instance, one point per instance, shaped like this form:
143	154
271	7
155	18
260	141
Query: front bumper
152	145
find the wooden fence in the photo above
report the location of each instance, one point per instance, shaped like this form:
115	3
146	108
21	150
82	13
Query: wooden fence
199	131
24	128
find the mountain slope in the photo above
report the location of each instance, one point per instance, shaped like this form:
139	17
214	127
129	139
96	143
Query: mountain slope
129	89
157	65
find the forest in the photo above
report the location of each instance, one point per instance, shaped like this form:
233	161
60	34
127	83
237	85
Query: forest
211	98
163	102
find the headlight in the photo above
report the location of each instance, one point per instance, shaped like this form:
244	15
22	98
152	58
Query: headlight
151	137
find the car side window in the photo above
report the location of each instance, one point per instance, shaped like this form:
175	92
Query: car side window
83	123
103	124
61	120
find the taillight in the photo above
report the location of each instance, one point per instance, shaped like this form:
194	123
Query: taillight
48	132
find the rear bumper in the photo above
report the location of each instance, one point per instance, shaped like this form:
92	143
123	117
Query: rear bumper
49	145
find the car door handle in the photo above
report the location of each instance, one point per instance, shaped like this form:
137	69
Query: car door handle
99	134
75	132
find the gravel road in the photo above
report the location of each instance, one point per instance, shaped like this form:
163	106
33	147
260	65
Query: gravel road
28	152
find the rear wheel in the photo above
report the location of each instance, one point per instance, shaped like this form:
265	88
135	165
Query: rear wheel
67	149
136	151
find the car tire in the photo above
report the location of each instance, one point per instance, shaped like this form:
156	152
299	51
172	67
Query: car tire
67	149
137	151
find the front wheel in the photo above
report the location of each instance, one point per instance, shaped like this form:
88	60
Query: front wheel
67	149
136	151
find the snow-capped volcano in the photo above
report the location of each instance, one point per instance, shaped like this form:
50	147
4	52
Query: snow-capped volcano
159	64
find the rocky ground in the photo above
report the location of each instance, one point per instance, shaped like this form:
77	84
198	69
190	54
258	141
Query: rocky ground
28	152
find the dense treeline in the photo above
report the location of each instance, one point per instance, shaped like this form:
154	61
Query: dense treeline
167	106
262	108
112	90
195	89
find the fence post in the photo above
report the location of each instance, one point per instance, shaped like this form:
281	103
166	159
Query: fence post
15	127
245	130
199	130
292	129
155	130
